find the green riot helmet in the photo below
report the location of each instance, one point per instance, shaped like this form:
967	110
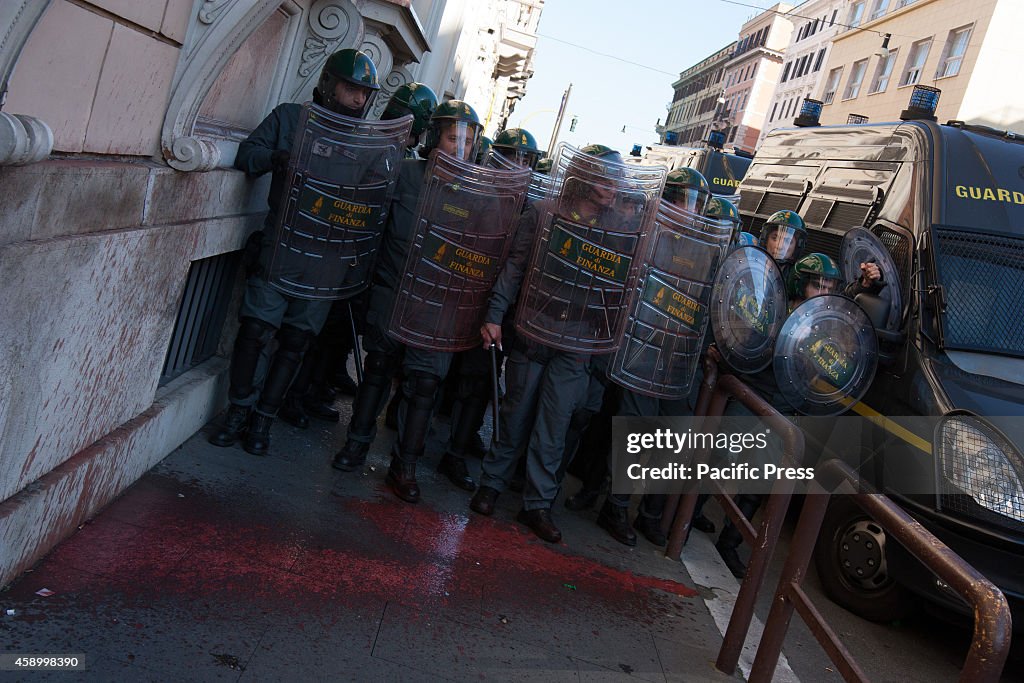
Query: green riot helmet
817	270
544	166
518	145
720	209
485	148
590	182
455	129
687	189
342	70
412	98
783	236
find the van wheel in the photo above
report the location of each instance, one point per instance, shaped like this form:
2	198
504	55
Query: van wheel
851	562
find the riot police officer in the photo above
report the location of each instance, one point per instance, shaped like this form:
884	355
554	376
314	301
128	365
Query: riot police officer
687	190
543	385
471	381
812	275
455	130
518	145
346	86
783	236
416	99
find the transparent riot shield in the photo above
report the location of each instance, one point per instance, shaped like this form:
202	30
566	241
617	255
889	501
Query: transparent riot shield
862	246
465	219
748	306
573	294
341	174
667	314
826	355
541	186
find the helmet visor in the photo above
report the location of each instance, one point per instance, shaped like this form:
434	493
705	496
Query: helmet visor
687	198
459	139
819	284
522	157
780	241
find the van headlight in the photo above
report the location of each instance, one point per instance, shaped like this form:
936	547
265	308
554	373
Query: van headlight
980	462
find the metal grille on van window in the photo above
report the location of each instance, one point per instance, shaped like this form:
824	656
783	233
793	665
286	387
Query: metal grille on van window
778	202
846	216
983	280
749	200
899	245
823	243
201	314
817	211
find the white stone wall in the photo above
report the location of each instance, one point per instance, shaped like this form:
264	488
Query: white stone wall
96	242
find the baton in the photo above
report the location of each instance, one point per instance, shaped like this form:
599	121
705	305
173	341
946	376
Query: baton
495	432
355	345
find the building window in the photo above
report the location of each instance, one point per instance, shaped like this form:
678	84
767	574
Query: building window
819	60
831	84
856	78
880	8
953	52
904	3
832	21
799	35
775	107
856	14
915	62
882	73
785	71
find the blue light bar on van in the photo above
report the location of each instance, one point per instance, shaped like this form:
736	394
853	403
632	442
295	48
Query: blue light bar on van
810	113
923	103
716	139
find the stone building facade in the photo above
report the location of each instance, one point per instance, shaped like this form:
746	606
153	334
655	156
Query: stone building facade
122	217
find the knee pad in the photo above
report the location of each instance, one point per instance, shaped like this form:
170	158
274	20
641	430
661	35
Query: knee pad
421	389
294	340
255	331
380	367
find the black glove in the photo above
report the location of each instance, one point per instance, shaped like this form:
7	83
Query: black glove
279	160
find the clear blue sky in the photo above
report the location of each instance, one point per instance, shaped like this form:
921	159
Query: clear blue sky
607	94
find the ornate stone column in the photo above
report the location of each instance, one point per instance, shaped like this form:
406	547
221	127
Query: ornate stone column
23	139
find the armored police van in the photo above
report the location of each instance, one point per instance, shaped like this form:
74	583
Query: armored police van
944	209
723	170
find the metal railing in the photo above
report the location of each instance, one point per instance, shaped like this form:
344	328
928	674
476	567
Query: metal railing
990	644
992	622
715	391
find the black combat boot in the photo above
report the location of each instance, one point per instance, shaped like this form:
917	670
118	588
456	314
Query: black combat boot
650	527
292	413
351	457
402	477
484	500
615	520
231	429
541	524
727	549
257	439
455	469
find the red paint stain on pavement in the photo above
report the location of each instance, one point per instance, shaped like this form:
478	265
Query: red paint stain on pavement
386	550
499	547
